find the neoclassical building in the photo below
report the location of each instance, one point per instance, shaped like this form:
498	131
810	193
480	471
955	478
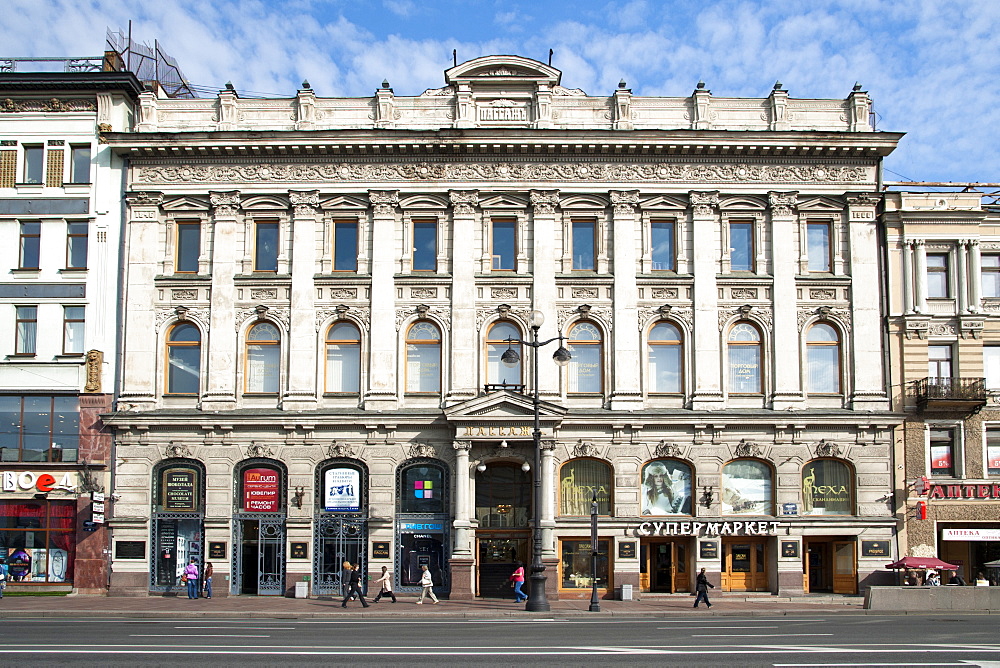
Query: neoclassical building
318	292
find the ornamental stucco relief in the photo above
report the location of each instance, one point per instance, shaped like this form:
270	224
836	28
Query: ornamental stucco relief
655	172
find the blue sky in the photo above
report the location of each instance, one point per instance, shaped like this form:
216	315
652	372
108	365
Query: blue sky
931	66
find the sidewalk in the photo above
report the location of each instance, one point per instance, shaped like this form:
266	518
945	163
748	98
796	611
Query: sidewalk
153	607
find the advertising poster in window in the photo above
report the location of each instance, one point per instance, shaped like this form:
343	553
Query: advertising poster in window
746	488
178	489
826	488
342	490
993	459
580	482
666	488
940	458
261	491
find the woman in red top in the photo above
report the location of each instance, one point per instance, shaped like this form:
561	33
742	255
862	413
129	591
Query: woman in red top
518	578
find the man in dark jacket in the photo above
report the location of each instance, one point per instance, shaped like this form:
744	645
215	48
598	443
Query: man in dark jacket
354	587
701	586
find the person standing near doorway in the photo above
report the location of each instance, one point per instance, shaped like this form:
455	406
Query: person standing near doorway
209	569
518	578
426	586
3	575
702	586
191	574
354	587
385	586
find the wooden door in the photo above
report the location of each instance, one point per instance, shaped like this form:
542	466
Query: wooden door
681	575
744	565
661	567
845	568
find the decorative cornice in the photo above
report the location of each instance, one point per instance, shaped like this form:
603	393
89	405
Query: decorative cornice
52	104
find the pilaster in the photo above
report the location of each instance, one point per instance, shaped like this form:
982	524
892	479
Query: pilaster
787	382
543	285
463	296
222	348
548	499
301	393
626	394
704	222
381	392
866	294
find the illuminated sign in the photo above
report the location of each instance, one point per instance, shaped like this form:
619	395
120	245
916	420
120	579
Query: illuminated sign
974	491
260	491
762	528
14	481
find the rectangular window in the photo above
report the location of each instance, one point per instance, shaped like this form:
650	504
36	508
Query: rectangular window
576	564
504	244
73	326
8	168
31	233
34	157
79	164
265	246
993	451
39	428
188	246
584	245
345	245
741	252
424	245
819	246
27	330
663	244
943	452
939	362
76	245
991	364
937	275
990	276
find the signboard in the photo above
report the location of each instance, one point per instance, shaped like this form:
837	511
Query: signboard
299	550
342	490
421	526
626	550
762	528
179	489
380	550
708	550
977	535
790	549
16	481
130	549
974	491
940	457
261	490
216	550
789	509
875	548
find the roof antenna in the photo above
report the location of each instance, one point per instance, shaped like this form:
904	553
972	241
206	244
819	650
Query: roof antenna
454	57
550	57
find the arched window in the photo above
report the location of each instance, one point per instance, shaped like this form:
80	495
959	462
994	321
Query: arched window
665	360
747	488
178	487
827	488
183	359
579	481
666	488
423	358
823	357
496	345
503	496
423	488
587	346
342	487
261	488
744	359
263	361
343	358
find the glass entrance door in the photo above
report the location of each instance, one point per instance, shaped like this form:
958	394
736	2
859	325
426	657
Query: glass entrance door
744	565
498	556
259	555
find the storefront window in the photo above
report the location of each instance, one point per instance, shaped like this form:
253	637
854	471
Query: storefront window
179	490
260	490
39	428
38	540
576	566
666	488
503	496
423	489
342	489
993	451
580	480
826	488
177	522
747	488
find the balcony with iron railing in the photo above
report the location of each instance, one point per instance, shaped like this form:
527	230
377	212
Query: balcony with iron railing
950	394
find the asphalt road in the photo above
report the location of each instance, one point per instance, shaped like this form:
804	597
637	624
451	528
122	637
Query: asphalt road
835	639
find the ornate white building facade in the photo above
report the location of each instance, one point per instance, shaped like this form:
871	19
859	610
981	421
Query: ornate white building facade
318	292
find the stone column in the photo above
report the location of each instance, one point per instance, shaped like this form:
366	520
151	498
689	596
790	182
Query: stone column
626	394
787	382
548	500
224	342
961	278
464	336
920	275
543	284
381	392
301	394
142	236
908	278
975	276
704	225
462	560
868	372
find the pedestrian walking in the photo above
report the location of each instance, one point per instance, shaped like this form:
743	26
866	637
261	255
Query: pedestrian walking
3	575
354	587
191	577
426	586
209	570
701	586
385	586
517	577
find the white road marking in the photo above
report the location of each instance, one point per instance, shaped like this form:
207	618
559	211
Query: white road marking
670	628
256	628
759	635
192	635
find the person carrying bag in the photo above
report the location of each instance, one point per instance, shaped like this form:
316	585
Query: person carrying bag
517	577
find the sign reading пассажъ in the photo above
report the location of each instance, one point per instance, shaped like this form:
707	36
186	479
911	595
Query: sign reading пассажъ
761	528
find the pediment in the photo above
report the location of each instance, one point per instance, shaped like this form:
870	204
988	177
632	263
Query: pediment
503	201
503	406
744	203
663	202
264	202
821	204
424	202
185	204
583	202
502	68
344	202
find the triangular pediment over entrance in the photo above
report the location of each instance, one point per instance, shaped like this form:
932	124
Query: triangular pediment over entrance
502	415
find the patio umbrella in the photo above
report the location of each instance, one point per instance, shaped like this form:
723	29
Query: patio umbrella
922	562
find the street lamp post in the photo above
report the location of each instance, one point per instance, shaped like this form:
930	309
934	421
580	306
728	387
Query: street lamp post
595	604
537	599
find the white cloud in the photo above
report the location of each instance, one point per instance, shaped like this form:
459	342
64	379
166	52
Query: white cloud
402	8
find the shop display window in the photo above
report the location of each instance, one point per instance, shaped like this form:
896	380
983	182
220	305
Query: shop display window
576	566
503	496
38	540
423	489
827	488
580	481
666	488
747	488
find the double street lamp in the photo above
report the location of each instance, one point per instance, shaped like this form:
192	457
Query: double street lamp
537	599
